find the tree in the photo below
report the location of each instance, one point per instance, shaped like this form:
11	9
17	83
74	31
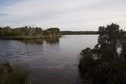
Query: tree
52	32
39	31
29	31
103	64
109	40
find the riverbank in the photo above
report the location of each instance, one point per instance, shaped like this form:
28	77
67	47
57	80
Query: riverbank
79	32
27	37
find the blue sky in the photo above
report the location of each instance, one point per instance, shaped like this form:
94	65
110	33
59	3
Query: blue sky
78	15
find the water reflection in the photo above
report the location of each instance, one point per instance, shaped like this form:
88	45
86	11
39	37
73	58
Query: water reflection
33	41
51	40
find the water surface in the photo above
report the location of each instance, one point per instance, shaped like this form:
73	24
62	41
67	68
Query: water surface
52	61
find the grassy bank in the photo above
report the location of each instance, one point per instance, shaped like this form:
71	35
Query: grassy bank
26	37
14	73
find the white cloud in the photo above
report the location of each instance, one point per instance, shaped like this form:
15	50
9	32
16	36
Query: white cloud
65	14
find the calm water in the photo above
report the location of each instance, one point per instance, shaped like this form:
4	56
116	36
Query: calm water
52	61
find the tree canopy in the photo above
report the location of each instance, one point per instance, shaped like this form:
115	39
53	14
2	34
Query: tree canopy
28	31
104	64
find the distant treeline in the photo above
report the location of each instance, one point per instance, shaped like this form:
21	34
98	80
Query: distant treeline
78	32
28	31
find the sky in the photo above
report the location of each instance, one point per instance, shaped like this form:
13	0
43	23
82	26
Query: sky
68	15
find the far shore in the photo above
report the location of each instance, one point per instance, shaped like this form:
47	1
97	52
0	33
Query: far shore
27	37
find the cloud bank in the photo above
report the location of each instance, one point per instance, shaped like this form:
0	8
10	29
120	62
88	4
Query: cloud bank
65	14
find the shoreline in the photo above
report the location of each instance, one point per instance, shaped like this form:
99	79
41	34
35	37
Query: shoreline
26	37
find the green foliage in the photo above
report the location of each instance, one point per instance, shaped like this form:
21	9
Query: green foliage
110	34
14	74
103	64
52	32
28	31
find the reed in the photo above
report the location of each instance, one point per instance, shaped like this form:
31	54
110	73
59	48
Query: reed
14	73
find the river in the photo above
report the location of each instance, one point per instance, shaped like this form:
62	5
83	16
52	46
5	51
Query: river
52	61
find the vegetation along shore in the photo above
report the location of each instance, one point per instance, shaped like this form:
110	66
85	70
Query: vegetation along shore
28	32
106	62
